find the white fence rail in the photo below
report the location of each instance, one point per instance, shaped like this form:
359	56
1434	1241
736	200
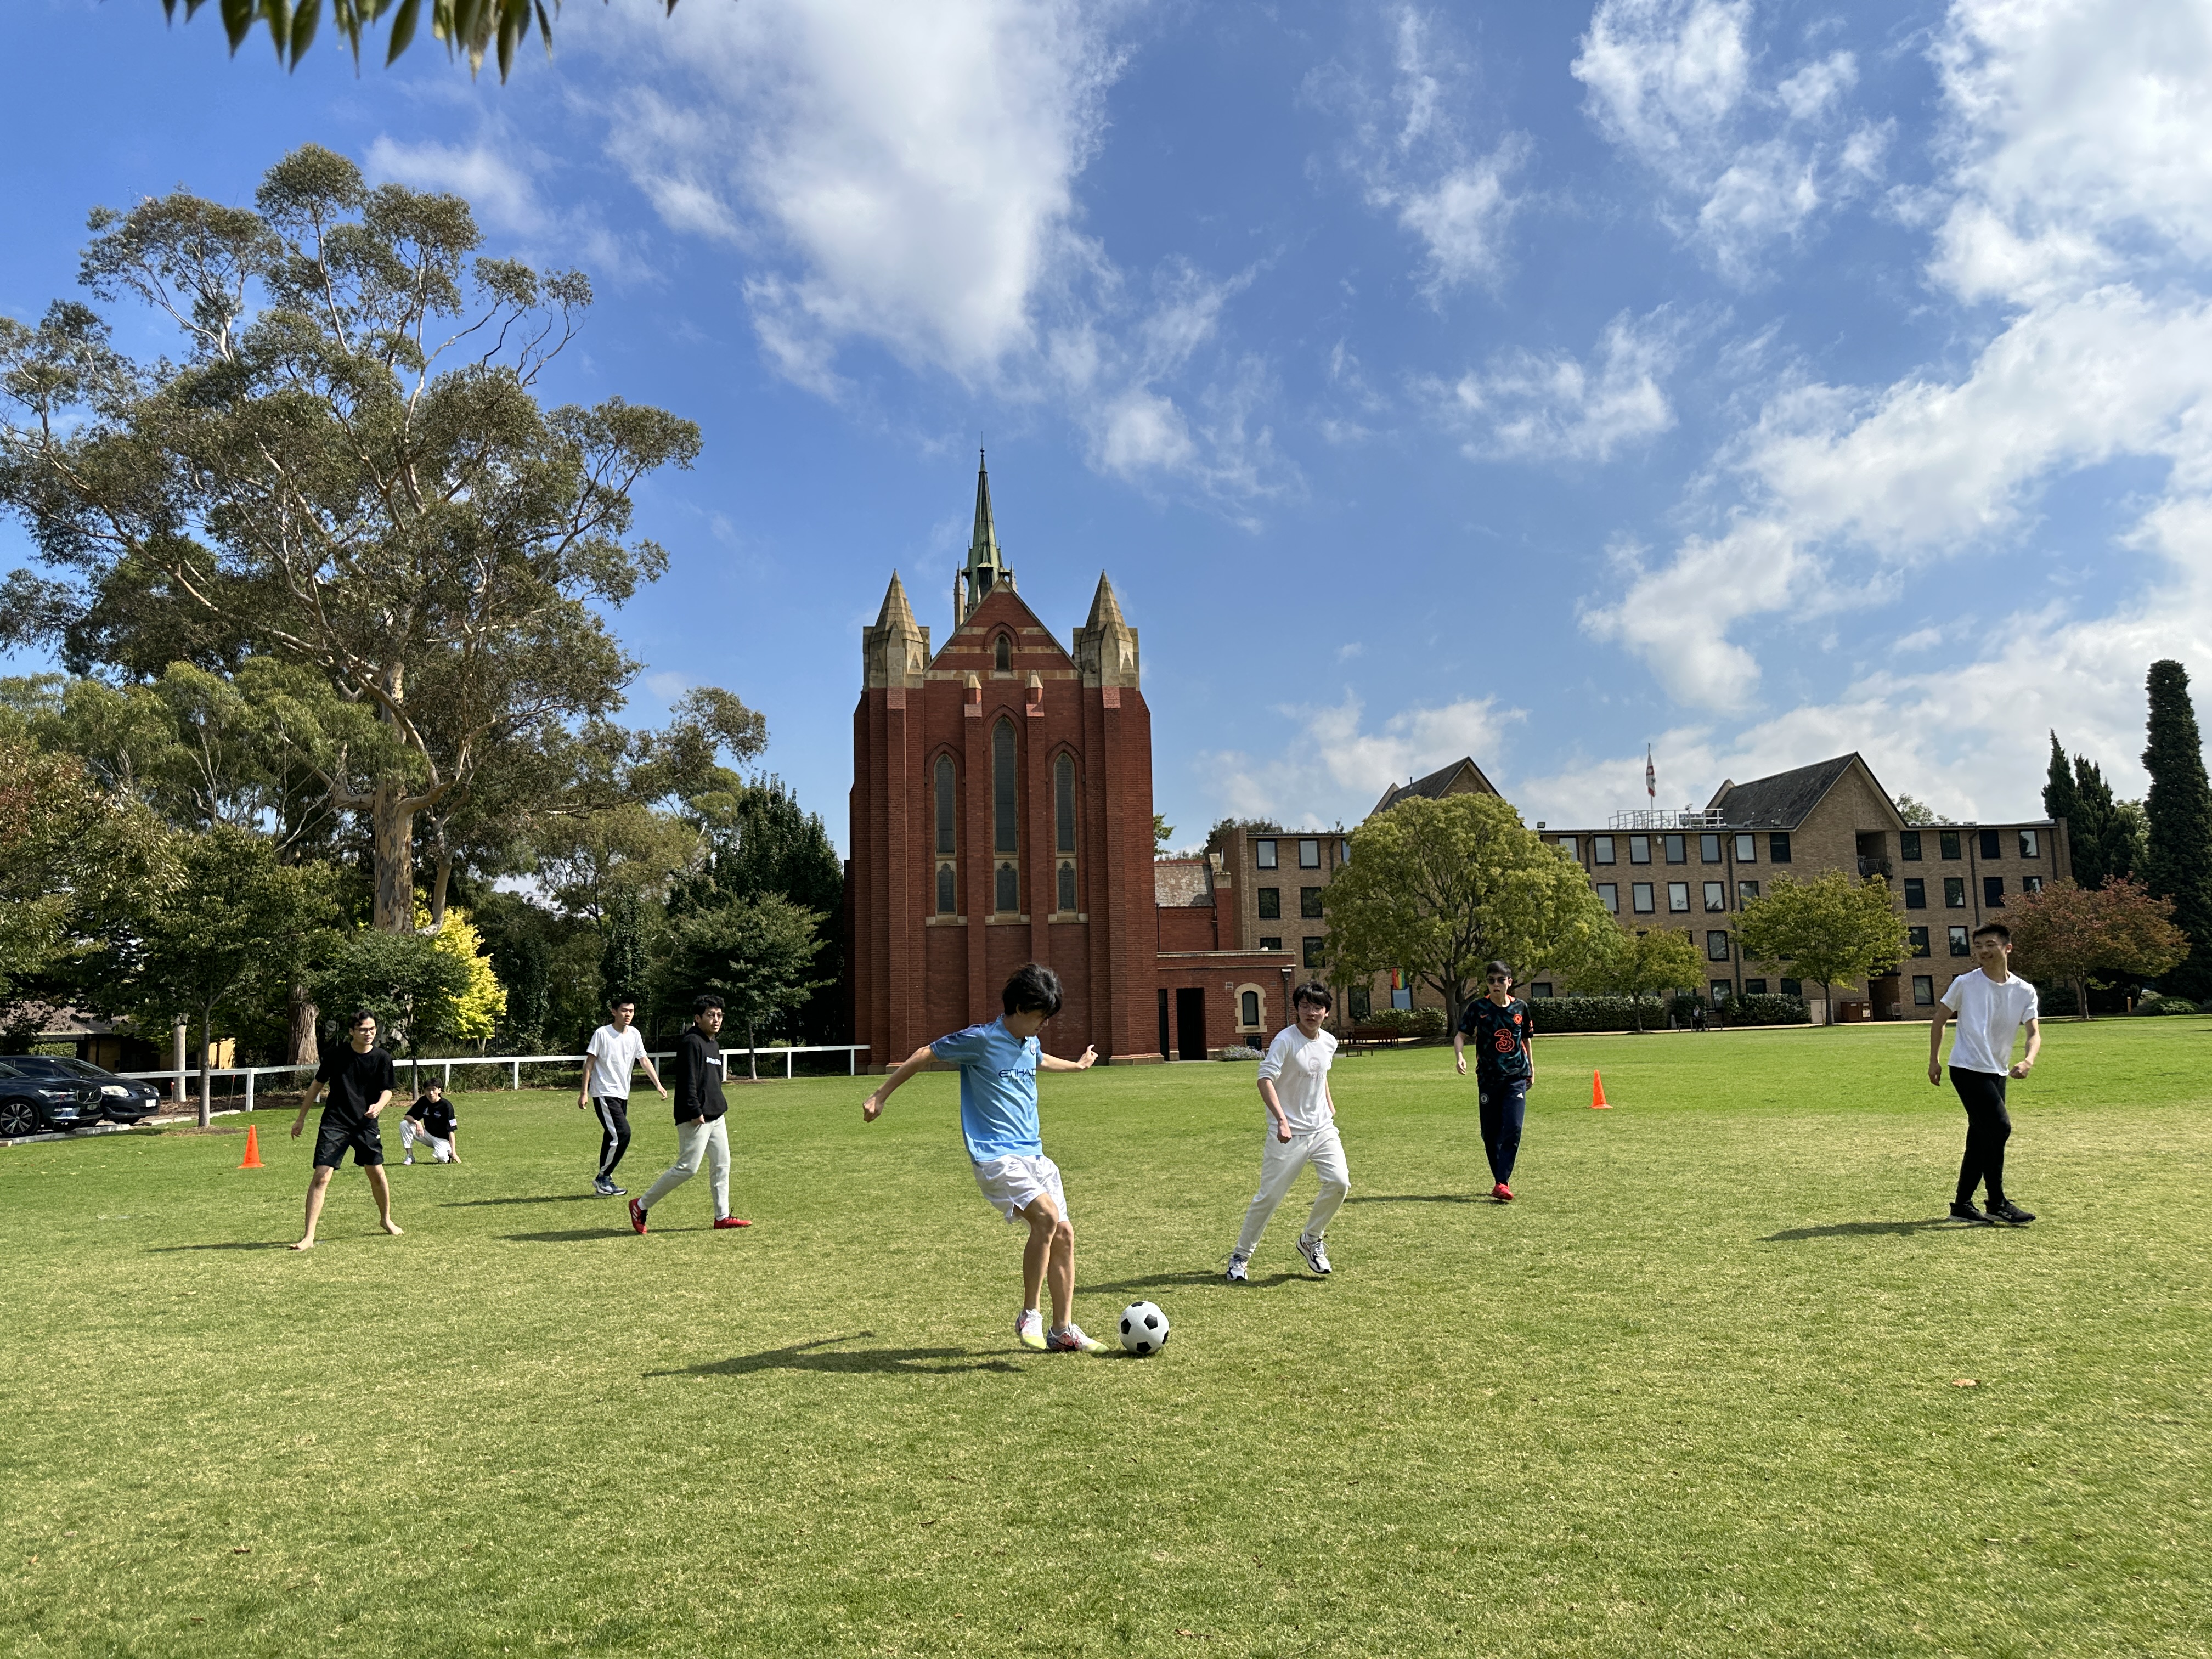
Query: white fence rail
514	1063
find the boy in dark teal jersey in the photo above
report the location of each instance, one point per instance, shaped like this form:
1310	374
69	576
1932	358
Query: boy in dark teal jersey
1500	1026
999	1063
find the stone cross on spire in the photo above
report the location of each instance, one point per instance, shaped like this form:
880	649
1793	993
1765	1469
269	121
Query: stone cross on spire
985	568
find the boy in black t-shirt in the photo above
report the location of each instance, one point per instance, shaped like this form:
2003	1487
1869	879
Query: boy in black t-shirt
359	1079
1500	1026
431	1121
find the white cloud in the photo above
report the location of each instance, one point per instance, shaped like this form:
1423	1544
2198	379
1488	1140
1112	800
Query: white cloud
500	191
1338	767
1554	406
1675	83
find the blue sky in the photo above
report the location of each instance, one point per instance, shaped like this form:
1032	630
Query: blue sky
1759	382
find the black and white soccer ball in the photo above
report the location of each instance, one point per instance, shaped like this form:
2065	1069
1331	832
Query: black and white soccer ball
1143	1328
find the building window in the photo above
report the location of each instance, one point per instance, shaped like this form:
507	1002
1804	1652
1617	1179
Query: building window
1746	850
1609	895
1792	987
1954	892
1067	887
1778	849
1993	892
1992	844
1639	898
1924	991
1310	902
1908	846
1716	947
1677	850
1009	898
1716	896
1270	904
1919	937
1601	849
1063	801
948	814
1343	852
1247	1008
2031	844
1264	853
1270	944
1948	844
1709	849
1961	945
1639	849
1678	897
1745	892
1002	653
1313	957
1006	835
948	891
1720	988
2031	884
1308	856
1754	988
1916	893
1542	988
1572	846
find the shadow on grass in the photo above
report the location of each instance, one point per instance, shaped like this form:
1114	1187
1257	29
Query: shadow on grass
1418	1198
576	1234
1157	1281
1860	1229
811	1356
544	1198
235	1244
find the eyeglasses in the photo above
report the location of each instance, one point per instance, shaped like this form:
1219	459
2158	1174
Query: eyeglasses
1499	979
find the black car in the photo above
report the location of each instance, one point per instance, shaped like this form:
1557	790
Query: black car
31	1103
121	1099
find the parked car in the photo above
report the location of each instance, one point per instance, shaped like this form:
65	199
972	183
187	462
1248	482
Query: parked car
121	1099
30	1103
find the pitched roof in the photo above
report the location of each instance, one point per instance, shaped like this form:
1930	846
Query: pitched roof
1782	801
1462	777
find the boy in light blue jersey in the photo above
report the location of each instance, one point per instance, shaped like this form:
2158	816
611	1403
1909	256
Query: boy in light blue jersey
999	1063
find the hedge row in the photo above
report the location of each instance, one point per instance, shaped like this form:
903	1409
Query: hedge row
1621	1013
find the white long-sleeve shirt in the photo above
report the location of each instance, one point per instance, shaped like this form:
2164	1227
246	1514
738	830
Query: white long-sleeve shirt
1298	1067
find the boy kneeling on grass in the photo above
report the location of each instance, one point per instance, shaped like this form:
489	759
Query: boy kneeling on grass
1991	1003
431	1121
999	1063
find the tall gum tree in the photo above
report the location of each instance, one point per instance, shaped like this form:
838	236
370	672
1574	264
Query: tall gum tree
347	467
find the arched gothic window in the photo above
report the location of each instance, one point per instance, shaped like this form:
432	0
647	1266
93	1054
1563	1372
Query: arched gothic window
1002	655
1004	791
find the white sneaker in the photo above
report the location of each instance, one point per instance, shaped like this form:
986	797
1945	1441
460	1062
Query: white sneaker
1237	1275
1069	1339
410	1158
1316	1255
1029	1329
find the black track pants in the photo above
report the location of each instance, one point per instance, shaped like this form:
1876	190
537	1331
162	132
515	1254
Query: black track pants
614	1131
1988	1128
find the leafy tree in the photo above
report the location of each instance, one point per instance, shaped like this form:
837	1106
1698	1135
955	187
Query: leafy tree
1832	929
624	965
1439	888
1163	833
1223	832
348	468
2068	931
471	27
2177	855
1640	963
1917	811
476	1009
758	955
2127	836
2061	798
228	929
414	988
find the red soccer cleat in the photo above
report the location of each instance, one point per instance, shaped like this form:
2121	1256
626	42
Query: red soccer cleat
1502	1193
636	1216
722	1221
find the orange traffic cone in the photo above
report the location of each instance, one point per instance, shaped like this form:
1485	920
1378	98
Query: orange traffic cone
1598	1102
252	1148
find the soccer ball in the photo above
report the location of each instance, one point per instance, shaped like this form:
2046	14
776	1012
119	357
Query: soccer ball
1143	1328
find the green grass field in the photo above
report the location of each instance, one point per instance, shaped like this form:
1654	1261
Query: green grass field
1695	1393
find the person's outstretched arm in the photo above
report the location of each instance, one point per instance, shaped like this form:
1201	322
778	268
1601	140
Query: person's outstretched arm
306	1099
872	1107
1054	1063
1935	1045
661	1089
2034	1047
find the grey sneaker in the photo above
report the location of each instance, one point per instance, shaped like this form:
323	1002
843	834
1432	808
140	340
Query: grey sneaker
1316	1254
1237	1275
608	1189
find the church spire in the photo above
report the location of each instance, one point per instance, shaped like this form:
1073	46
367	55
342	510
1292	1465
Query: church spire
985	568
1106	646
894	653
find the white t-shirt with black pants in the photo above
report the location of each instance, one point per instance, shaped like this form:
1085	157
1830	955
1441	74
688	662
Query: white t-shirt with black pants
613	1058
1987	1016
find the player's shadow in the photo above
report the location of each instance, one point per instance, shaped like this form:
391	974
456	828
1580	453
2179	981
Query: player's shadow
233	1244
1162	1281
1418	1198
543	1198
814	1357
576	1234
1858	1229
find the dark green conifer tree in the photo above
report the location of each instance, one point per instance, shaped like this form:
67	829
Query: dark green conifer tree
624	969
2177	855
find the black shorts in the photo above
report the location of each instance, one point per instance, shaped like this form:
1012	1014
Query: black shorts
335	1136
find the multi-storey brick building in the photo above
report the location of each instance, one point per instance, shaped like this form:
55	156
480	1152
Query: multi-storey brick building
1002	813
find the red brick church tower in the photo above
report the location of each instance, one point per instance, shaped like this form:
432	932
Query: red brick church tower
1001	813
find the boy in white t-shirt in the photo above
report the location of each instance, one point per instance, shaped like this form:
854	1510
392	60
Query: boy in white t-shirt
1991	1003
1301	1130
615	1048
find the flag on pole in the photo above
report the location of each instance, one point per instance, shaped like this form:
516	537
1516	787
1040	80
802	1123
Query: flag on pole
1650	777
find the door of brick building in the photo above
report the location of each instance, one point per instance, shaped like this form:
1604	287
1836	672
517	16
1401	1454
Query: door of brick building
1190	1024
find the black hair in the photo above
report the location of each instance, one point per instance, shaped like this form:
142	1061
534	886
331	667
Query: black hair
360	1015
2003	933
1035	990
1315	991
701	1004
1497	967
620	999
433	1084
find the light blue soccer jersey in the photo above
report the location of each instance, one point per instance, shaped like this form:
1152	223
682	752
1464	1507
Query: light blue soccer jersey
998	1090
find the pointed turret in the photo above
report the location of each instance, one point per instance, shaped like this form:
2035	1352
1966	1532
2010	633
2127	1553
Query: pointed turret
985	568
1106	646
894	653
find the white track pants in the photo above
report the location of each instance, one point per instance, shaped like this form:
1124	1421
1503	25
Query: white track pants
1279	1164
411	1132
696	1140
